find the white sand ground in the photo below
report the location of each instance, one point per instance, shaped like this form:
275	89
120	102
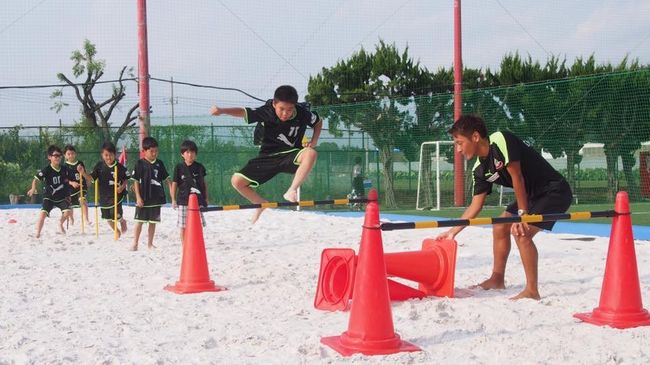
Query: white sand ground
77	299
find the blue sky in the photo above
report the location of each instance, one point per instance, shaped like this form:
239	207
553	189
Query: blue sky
257	45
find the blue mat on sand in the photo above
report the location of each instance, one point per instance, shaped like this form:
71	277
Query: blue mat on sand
588	229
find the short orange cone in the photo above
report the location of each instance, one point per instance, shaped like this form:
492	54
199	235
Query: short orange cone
195	277
433	268
370	328
620	297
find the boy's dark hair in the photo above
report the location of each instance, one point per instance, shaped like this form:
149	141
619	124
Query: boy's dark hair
467	124
149	142
357	160
286	93
69	147
188	145
109	147
53	148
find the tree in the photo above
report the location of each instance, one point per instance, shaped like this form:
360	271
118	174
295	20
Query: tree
383	84
95	115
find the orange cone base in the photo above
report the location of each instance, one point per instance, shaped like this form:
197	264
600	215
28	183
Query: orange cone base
601	317
336	279
188	288
348	346
447	253
400	292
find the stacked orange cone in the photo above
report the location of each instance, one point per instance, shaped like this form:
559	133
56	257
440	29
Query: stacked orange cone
195	276
620	297
433	268
370	328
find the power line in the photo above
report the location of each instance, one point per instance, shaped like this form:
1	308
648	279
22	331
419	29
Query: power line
392	14
262	39
307	40
208	87
60	85
22	16
522	27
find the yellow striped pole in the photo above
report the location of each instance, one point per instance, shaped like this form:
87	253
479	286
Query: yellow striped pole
302	203
530	218
81	202
96	208
115	202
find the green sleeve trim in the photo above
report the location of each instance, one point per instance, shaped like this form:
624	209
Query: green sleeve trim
500	140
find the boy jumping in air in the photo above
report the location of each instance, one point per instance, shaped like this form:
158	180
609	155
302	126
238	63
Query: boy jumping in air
285	123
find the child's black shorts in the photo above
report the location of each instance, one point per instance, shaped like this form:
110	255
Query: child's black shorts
48	205
107	213
147	214
555	199
74	200
264	167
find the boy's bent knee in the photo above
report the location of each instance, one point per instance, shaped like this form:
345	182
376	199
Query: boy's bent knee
501	230
308	152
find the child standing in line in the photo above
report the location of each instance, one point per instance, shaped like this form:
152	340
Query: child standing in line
74	180
189	177
55	187
148	176
103	174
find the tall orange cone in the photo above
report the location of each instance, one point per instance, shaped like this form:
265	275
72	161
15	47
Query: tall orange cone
433	268
370	328
195	277
620	297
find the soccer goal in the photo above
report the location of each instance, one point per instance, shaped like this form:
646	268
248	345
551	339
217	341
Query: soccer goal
432	162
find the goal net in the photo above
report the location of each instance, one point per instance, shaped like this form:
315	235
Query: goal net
435	175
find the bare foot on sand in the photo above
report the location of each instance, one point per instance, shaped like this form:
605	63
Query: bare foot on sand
134	247
257	214
61	229
527	294
123	225
151	246
494	282
291	195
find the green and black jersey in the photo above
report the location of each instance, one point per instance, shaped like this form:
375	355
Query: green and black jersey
55	183
104	174
190	179
73	175
279	136
150	176
505	148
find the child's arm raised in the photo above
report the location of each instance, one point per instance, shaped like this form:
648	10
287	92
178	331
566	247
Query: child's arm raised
235	112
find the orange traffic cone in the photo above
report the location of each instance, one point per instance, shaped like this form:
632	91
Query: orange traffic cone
620	297
195	277
433	268
370	328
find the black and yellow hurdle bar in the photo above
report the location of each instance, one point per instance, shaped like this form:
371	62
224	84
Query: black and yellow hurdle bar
302	203
531	218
